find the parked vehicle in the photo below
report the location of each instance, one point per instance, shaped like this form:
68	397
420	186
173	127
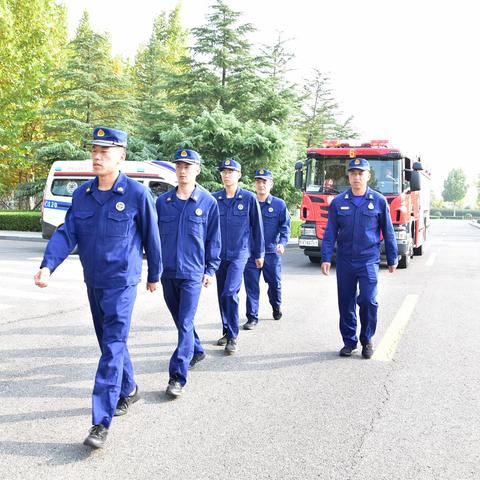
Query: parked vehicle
404	182
66	176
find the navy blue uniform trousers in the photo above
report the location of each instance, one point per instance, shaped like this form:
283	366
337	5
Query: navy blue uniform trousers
357	284
181	297
112	312
229	281
272	270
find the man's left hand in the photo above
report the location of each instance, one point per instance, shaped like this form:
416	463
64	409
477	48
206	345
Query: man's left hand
151	287
392	268
207	280
280	249
259	262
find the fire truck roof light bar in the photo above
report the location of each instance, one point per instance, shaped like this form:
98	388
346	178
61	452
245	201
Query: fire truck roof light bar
335	143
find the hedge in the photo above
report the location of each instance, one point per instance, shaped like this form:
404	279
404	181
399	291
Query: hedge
30	222
459	212
20	221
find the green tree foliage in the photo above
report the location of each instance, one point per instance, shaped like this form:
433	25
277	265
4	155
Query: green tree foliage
320	115
32	41
91	89
222	70
455	187
221	97
155	64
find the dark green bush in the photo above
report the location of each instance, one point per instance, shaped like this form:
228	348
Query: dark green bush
20	221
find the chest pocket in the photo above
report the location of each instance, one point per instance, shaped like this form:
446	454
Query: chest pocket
270	217
117	224
84	223
344	217
167	224
369	219
239	216
196	225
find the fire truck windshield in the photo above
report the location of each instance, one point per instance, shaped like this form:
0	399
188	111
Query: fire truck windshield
330	176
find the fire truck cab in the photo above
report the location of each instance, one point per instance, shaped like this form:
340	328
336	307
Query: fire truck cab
403	182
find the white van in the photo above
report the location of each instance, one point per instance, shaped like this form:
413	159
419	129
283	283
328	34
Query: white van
66	175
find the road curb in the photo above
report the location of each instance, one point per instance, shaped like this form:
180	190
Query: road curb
24	237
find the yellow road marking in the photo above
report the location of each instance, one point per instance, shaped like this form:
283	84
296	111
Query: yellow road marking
388	345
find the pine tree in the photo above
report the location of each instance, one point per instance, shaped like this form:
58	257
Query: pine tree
222	70
92	89
154	66
320	114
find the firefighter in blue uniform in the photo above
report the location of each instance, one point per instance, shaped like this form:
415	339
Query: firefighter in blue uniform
242	237
190	237
356	218
112	219
276	229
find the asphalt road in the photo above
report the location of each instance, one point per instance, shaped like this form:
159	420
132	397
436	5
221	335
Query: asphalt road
286	406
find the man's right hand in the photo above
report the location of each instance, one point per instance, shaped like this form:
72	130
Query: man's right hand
42	277
326	268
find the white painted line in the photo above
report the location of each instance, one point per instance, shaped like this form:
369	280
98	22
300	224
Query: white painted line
431	260
388	345
28	295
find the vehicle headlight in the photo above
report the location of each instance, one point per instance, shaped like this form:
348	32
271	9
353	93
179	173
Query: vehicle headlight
401	235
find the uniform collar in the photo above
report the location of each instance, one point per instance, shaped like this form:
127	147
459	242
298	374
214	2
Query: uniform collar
348	195
118	187
238	195
195	195
268	201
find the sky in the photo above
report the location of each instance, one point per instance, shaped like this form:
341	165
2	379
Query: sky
407	71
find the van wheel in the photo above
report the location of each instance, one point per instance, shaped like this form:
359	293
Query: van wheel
418	250
314	259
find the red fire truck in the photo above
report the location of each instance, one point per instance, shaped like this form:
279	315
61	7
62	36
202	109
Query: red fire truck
404	183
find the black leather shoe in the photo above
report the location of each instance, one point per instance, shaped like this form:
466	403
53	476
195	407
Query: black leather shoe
198	357
125	402
174	388
231	346
96	437
347	351
222	341
250	325
277	314
367	350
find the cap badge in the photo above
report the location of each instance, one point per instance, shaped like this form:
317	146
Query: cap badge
120	206
370	206
227	162
198	212
261	172
100	133
357	161
240	207
270	209
184	154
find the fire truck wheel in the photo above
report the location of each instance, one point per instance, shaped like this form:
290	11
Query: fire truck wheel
404	261
315	259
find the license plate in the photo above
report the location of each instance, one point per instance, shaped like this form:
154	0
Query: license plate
306	242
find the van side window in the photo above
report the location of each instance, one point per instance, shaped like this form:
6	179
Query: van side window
158	188
65	187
